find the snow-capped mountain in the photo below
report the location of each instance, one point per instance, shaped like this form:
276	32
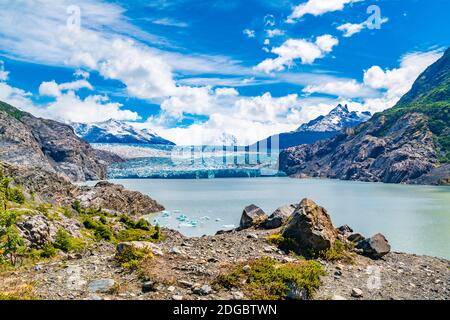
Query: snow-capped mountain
322	127
114	131
339	118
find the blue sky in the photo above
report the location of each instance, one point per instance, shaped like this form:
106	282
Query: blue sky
196	70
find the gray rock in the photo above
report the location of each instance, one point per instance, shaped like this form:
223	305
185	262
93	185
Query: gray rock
375	247
101	285
296	293
203	290
252	216
177	297
309	228
357	293
355	237
149	286
344	229
280	216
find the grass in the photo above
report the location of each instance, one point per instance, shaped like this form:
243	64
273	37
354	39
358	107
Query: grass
269	280
275	239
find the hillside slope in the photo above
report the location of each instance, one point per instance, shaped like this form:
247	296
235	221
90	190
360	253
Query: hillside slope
409	143
47	144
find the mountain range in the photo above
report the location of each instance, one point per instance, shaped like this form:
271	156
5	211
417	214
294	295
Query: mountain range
409	143
114	131
322	127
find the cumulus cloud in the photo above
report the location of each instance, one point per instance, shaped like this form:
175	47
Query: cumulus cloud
349	29
318	8
397	81
293	49
52	89
71	108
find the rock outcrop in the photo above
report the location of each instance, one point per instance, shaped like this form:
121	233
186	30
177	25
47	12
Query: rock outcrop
280	216
47	144
252	216
309	228
115	197
56	188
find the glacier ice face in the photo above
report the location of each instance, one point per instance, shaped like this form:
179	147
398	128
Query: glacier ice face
203	162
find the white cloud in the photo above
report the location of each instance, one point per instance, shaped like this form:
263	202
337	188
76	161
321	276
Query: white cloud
341	88
52	89
249	33
294	49
226	92
3	74
349	29
71	108
274	33
170	23
397	81
318	7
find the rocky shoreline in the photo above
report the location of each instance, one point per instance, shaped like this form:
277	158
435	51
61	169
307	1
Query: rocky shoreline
188	267
111	254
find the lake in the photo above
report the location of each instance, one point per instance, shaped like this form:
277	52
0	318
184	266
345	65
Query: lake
415	219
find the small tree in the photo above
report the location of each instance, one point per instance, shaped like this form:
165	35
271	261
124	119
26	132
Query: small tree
11	243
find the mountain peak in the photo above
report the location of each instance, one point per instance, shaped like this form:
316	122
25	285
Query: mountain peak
337	119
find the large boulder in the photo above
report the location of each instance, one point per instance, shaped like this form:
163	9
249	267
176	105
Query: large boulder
36	229
280	216
309	229
375	247
252	216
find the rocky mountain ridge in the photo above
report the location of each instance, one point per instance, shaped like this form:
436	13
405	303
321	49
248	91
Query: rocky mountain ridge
409	143
47	144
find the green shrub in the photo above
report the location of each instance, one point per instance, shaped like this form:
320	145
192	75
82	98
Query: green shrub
48	251
67	243
340	251
101	231
130	258
275	239
16	195
269	280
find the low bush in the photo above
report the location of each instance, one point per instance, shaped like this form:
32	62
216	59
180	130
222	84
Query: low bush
65	242
269	280
130	258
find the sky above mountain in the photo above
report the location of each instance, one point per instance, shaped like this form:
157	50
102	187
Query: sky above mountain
194	70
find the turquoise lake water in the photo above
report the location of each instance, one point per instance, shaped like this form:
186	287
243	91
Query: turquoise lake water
415	219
